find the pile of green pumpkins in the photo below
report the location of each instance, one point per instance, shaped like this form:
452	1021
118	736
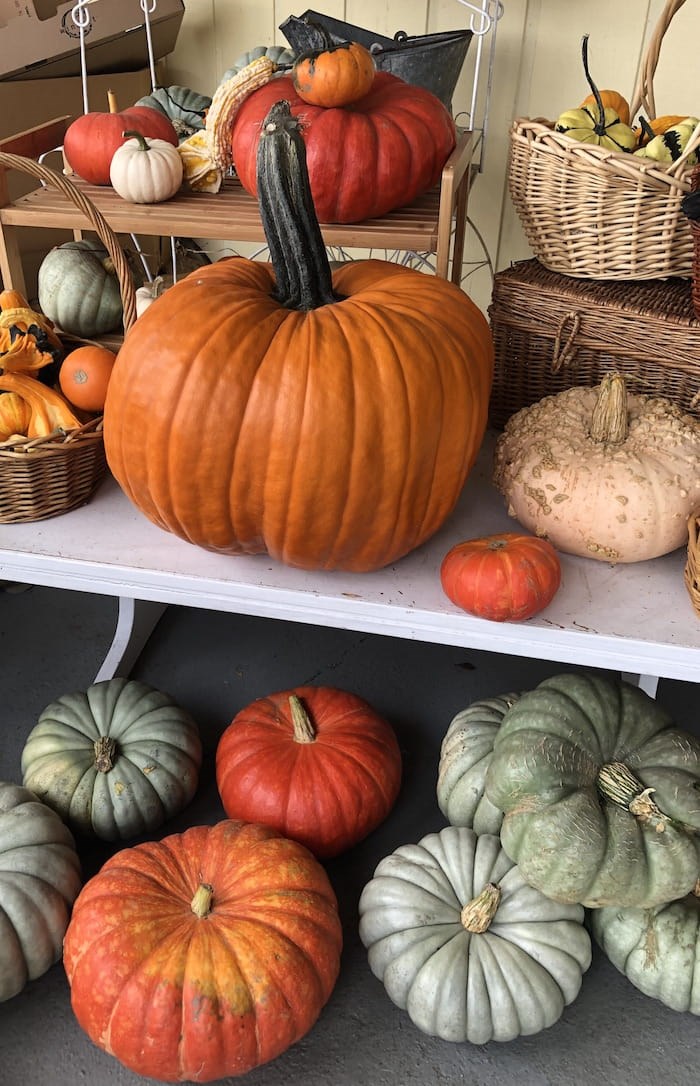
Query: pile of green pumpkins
570	807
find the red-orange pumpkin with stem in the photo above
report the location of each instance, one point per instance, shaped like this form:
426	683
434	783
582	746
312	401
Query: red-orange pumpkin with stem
316	763
509	576
205	954
329	420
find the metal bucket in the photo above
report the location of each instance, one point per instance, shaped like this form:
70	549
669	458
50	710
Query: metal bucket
432	61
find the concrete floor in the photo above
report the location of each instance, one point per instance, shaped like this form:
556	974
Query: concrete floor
52	642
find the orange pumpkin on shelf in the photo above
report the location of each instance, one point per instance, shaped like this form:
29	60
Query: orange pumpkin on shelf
334	75
504	577
84	376
328	419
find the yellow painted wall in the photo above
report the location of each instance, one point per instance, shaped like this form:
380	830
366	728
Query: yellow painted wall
537	72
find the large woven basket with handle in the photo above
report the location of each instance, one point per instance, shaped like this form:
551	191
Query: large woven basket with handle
564	190
44	477
692	566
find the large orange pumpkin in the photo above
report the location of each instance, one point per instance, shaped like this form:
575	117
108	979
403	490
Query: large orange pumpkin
315	763
328	422
205	954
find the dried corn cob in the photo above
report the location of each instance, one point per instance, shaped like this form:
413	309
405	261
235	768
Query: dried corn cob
227	100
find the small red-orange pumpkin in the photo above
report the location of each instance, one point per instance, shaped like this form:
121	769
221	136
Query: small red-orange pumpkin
316	763
502	577
205	954
335	75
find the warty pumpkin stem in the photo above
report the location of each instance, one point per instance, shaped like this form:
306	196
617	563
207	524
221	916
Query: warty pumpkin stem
297	249
477	914
609	422
201	902
105	749
304	731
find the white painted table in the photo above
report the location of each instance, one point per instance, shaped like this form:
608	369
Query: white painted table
636	619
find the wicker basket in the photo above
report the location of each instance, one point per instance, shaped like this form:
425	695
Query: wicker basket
692	567
695	234
44	477
564	190
552	332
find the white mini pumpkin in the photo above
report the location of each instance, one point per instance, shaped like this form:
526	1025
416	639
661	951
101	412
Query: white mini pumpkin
465	946
600	473
145	171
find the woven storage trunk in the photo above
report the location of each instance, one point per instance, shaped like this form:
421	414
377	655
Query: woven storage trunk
593	213
552	332
44	477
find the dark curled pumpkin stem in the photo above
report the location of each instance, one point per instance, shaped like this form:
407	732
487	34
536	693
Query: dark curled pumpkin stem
600	125
297	250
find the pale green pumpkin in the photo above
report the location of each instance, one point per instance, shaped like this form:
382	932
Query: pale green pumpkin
465	946
658	949
600	793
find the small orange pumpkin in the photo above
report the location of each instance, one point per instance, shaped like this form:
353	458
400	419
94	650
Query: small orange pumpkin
334	75
504	577
611	99
85	374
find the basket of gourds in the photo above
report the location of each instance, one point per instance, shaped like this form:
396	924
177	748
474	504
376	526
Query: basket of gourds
592	167
52	456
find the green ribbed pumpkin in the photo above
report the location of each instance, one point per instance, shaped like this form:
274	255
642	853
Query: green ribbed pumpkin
40	879
114	761
600	793
184	107
465	755
279	54
658	949
79	289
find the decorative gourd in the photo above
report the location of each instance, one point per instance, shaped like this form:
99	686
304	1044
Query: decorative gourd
79	289
313	455
15	415
228	98
611	99
465	946
205	954
336	74
597	123
185	108
601	473
39	880
658	949
503	577
91	140
669	145
315	763
656	126
364	160
600	793
145	171
148	293
48	411
114	761
28	341
280	56
465	755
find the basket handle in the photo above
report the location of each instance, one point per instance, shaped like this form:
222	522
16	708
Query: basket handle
643	95
96	218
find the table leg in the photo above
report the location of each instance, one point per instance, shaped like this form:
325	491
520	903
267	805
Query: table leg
648	683
136	621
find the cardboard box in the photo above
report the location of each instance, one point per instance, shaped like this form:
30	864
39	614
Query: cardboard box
27	103
39	39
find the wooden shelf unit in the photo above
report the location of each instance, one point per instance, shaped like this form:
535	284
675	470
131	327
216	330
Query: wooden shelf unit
435	223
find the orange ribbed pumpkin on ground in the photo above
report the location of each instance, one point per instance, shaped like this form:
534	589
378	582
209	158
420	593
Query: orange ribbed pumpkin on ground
328	421
205	954
315	763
